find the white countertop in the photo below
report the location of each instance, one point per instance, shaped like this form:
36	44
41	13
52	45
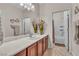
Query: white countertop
13	47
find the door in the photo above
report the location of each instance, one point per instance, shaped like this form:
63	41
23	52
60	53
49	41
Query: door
61	27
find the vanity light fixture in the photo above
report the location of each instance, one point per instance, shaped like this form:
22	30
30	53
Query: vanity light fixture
28	6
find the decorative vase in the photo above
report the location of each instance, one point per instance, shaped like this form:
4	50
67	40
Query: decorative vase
35	27
41	27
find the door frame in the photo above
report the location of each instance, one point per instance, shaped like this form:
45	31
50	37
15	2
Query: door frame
53	31
53	36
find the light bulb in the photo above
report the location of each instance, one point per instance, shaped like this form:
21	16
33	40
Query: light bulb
28	8
21	4
32	6
25	6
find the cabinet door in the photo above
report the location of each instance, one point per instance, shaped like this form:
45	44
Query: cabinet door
46	42
40	50
43	45
32	50
22	53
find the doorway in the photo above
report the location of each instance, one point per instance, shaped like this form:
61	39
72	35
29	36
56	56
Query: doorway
60	25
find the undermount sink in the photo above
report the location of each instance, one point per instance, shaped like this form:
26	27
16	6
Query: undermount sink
33	37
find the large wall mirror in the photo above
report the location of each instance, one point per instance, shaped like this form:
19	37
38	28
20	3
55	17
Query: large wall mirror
20	28
23	27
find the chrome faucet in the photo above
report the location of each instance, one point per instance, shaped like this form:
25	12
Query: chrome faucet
30	34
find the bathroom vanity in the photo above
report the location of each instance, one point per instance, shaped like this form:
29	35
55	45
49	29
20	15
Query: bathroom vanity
25	46
36	49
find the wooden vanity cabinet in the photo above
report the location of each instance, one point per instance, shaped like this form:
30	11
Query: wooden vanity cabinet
32	50
36	49
21	53
40	50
